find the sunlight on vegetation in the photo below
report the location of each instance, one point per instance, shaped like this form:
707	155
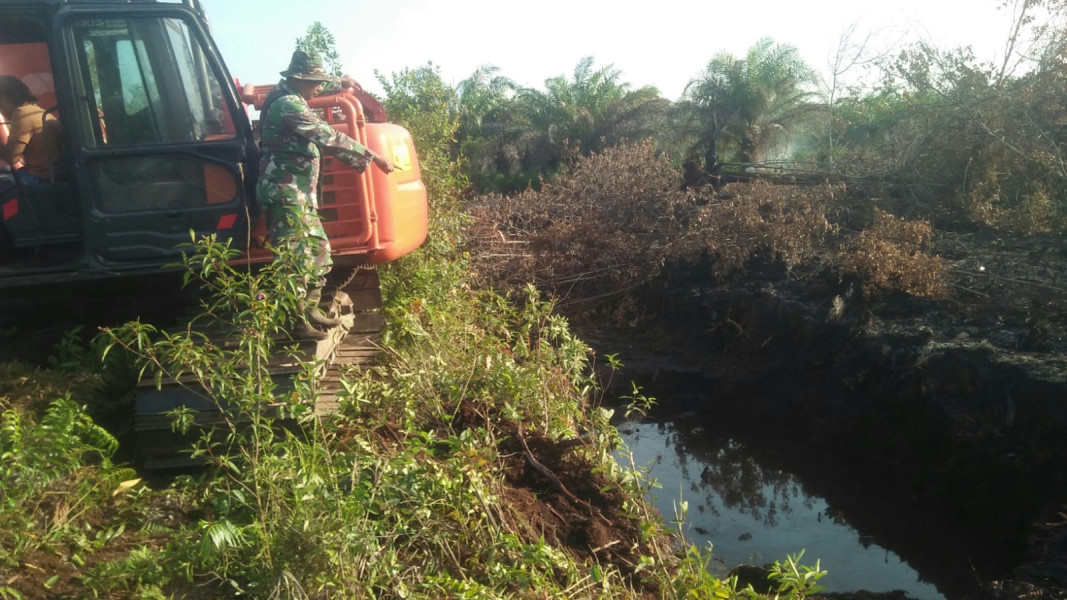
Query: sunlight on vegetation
476	458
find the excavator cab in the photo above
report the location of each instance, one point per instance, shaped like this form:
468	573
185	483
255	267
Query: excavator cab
157	143
155	140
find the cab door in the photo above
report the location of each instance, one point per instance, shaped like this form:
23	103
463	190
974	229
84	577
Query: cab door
164	147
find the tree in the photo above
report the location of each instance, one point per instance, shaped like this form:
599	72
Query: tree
530	132
1038	31
967	139
481	96
851	53
422	102
484	108
570	110
319	39
743	108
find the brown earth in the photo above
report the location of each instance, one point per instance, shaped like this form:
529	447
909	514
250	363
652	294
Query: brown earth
555	493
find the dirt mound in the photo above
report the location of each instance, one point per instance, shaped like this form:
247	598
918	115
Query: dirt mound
556	494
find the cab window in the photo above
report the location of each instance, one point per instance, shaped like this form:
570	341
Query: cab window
150	83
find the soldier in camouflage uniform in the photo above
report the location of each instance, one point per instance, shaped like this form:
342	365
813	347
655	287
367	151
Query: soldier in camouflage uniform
292	142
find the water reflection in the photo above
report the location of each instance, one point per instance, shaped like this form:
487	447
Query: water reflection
736	478
754	512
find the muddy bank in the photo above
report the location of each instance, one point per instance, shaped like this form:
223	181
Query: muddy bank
954	405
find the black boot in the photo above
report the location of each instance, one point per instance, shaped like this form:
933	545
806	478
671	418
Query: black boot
314	313
302	330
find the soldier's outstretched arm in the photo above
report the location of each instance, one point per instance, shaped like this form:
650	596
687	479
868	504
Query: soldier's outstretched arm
305	123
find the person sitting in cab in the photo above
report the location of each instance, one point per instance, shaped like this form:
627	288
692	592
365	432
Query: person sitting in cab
33	134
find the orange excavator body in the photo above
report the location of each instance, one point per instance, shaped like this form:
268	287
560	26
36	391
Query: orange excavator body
369	217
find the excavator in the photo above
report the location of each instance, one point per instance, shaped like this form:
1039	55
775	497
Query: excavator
158	141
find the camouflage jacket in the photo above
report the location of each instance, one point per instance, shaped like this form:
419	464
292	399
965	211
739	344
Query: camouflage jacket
292	134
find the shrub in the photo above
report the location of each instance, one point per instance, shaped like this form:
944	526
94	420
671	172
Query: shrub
891	255
783	224
619	217
604	226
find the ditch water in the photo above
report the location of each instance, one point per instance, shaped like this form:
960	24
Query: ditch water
757	500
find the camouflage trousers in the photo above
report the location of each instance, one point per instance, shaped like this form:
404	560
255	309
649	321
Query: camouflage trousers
294	228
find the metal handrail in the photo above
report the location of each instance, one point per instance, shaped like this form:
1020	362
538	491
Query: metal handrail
355	123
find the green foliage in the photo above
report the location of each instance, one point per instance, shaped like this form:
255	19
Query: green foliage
483	98
741	110
692	578
637	404
513	136
35	454
318	38
141	570
336	510
422	102
258	305
590	111
973	144
794	579
55	470
70	354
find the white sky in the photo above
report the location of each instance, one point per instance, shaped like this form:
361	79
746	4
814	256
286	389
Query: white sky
663	43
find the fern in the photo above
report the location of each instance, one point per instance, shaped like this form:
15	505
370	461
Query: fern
112	479
10	437
219	537
154	528
70	431
140	570
38	458
98	438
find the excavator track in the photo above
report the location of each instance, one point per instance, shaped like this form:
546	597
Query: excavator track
359	292
353	294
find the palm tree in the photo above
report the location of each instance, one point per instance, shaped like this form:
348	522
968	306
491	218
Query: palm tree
568	110
522	133
743	108
590	111
492	133
480	97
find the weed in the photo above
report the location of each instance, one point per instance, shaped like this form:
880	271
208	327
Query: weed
794	579
637	404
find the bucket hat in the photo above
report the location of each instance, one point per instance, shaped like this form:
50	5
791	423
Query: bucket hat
307	67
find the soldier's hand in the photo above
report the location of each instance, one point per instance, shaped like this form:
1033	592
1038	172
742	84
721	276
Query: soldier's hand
348	82
384	164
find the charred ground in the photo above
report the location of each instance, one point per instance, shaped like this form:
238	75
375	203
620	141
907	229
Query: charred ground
859	318
956	403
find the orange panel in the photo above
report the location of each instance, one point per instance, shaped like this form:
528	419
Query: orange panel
219	184
400	197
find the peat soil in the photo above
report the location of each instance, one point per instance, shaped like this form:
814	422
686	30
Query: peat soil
958	406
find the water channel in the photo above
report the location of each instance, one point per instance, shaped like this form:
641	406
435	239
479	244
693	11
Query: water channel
757	499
